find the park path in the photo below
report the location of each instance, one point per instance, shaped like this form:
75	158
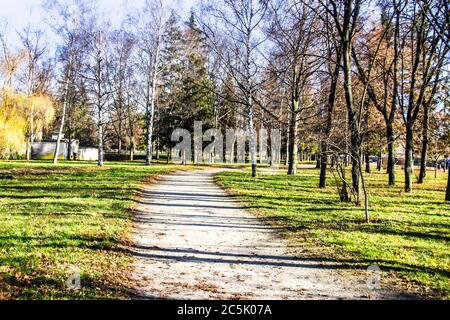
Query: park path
194	241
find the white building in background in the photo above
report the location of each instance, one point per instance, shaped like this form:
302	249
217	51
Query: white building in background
45	150
88	154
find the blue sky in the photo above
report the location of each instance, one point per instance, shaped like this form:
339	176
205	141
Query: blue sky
19	13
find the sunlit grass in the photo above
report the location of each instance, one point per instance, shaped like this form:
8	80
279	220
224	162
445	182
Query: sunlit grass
53	218
409	236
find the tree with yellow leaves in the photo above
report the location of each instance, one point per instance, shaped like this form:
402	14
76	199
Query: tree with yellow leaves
12	124
17	111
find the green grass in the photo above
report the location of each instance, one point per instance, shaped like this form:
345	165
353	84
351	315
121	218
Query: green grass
409	236
74	214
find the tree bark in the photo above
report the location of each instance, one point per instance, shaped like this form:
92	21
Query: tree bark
447	194
391	156
367	160
425	140
351	113
69	147
323	165
132	148
61	126
151	107
318	162
252	135
100	145
355	156
409	161
288	139
293	143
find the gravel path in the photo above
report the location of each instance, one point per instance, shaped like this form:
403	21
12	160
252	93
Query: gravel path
193	241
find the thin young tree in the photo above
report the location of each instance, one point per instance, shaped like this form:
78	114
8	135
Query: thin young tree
123	44
69	19
332	53
35	49
240	21
148	26
346	16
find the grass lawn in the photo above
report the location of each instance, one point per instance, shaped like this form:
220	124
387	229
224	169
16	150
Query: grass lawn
409	237
55	219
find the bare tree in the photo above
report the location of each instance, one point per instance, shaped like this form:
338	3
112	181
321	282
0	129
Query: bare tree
35	48
332	53
99	78
67	20
149	28
293	30
382	54
346	17
10	62
420	63
121	72
241	22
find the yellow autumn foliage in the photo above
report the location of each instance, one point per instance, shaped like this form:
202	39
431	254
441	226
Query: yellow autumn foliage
16	112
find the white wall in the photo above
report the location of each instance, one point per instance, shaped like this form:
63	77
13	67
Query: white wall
46	150
88	154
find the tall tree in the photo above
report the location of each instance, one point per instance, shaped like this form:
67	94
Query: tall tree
333	56
421	61
293	30
35	48
241	22
98	78
380	56
346	16
70	20
149	26
121	71
170	87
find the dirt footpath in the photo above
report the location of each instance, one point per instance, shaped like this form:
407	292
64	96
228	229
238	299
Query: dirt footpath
193	241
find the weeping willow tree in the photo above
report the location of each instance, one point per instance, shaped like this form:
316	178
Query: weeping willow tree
19	115
39	112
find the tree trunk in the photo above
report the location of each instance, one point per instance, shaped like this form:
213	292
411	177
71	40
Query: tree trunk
100	145
447	194
251	131
151	111
169	154
132	147
409	161
69	147
352	115
288	139
148	155
367	160
355	159
391	156
323	165
366	198
28	150
380	158
293	143
424	151
61	126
